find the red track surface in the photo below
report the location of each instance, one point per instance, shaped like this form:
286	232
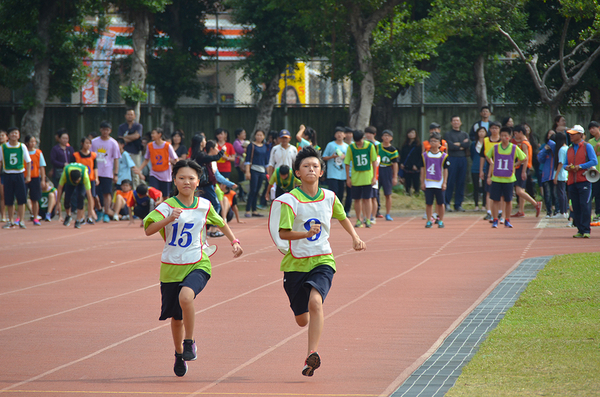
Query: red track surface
79	308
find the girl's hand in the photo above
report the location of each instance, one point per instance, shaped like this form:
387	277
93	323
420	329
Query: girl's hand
247	176
237	250
358	244
314	229
175	214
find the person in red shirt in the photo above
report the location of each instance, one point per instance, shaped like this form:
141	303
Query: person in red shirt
224	164
145	199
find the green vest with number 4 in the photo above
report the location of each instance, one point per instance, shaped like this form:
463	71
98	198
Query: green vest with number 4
12	158
361	157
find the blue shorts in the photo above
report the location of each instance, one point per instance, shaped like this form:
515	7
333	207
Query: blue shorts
163	186
499	190
34	189
520	182
298	285
386	175
431	193
104	187
14	186
196	280
362	192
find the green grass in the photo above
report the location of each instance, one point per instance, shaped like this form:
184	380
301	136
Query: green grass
548	344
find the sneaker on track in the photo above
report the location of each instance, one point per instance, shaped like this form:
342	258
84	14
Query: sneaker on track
78	224
538	208
90	221
388	218
440	224
578	235
36	222
508	224
189	350
495	223
368	223
313	361
67	221
22	225
180	368
428	225
8	225
358	224
487	217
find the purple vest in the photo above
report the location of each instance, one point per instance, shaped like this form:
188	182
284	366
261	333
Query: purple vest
434	167
504	163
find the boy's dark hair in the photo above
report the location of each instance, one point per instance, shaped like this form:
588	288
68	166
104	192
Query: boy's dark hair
435	135
159	131
11	129
506	129
371	130
119	140
454	116
284	170
593	124
357	135
519	128
495	124
305	153
60	132
434	126
484	107
209	145
126	182
92	134
75	175
142	189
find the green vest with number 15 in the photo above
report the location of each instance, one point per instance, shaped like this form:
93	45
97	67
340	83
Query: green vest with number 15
361	157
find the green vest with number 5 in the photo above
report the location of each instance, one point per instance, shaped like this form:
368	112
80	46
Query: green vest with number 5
361	157
12	158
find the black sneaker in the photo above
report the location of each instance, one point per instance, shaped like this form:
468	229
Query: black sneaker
67	221
487	217
189	350
313	361
180	367
90	221
78	224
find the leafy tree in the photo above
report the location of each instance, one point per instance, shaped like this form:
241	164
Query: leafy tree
276	40
173	66
42	43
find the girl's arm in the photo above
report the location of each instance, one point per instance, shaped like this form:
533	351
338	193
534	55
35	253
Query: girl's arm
287	234
156	226
357	243
235	243
300	133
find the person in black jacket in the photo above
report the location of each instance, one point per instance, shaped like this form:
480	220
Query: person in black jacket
458	149
409	162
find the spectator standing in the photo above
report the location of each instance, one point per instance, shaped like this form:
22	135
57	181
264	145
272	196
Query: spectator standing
580	157
334	155
409	162
38	174
88	158
177	142
348	140
477	147
283	153
3	140
224	164
257	158
520	139
107	159
546	160
484	164
131	132
15	161
60	155
239	145
161	155
561	175
485	113
595	142
458	146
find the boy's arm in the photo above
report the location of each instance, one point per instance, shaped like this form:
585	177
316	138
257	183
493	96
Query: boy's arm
394	173
357	243
28	167
348	181
444	184
423	178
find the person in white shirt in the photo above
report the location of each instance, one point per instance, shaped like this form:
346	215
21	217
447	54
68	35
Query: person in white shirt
282	154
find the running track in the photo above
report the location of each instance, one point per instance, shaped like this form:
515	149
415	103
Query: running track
79	308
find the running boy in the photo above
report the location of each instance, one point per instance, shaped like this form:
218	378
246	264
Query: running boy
361	156
185	268
300	224
434	174
504	158
388	169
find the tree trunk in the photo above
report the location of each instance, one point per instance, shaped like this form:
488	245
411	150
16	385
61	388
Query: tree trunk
480	86
167	119
265	105
31	123
139	69
361	117
595	99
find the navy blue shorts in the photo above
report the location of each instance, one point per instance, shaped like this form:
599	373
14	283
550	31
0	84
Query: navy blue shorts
386	175
362	192
93	188
520	182
298	285
196	280
14	186
34	189
431	193
164	187
104	187
499	190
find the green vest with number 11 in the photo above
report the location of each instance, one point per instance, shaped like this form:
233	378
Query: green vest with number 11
361	157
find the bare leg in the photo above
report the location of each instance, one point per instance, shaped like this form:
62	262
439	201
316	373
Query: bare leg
441	209
358	208
388	204
186	301
315	325
429	212
495	209
10	209
177	331
367	208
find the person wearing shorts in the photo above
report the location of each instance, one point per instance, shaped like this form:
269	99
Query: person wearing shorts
434	174
520	139
15	159
361	157
505	157
388	169
484	165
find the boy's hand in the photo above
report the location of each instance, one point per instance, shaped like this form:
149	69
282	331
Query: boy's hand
423	188
237	250
444	186
394	181
314	229
358	244
175	214
348	182
481	176
524	174
489	180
